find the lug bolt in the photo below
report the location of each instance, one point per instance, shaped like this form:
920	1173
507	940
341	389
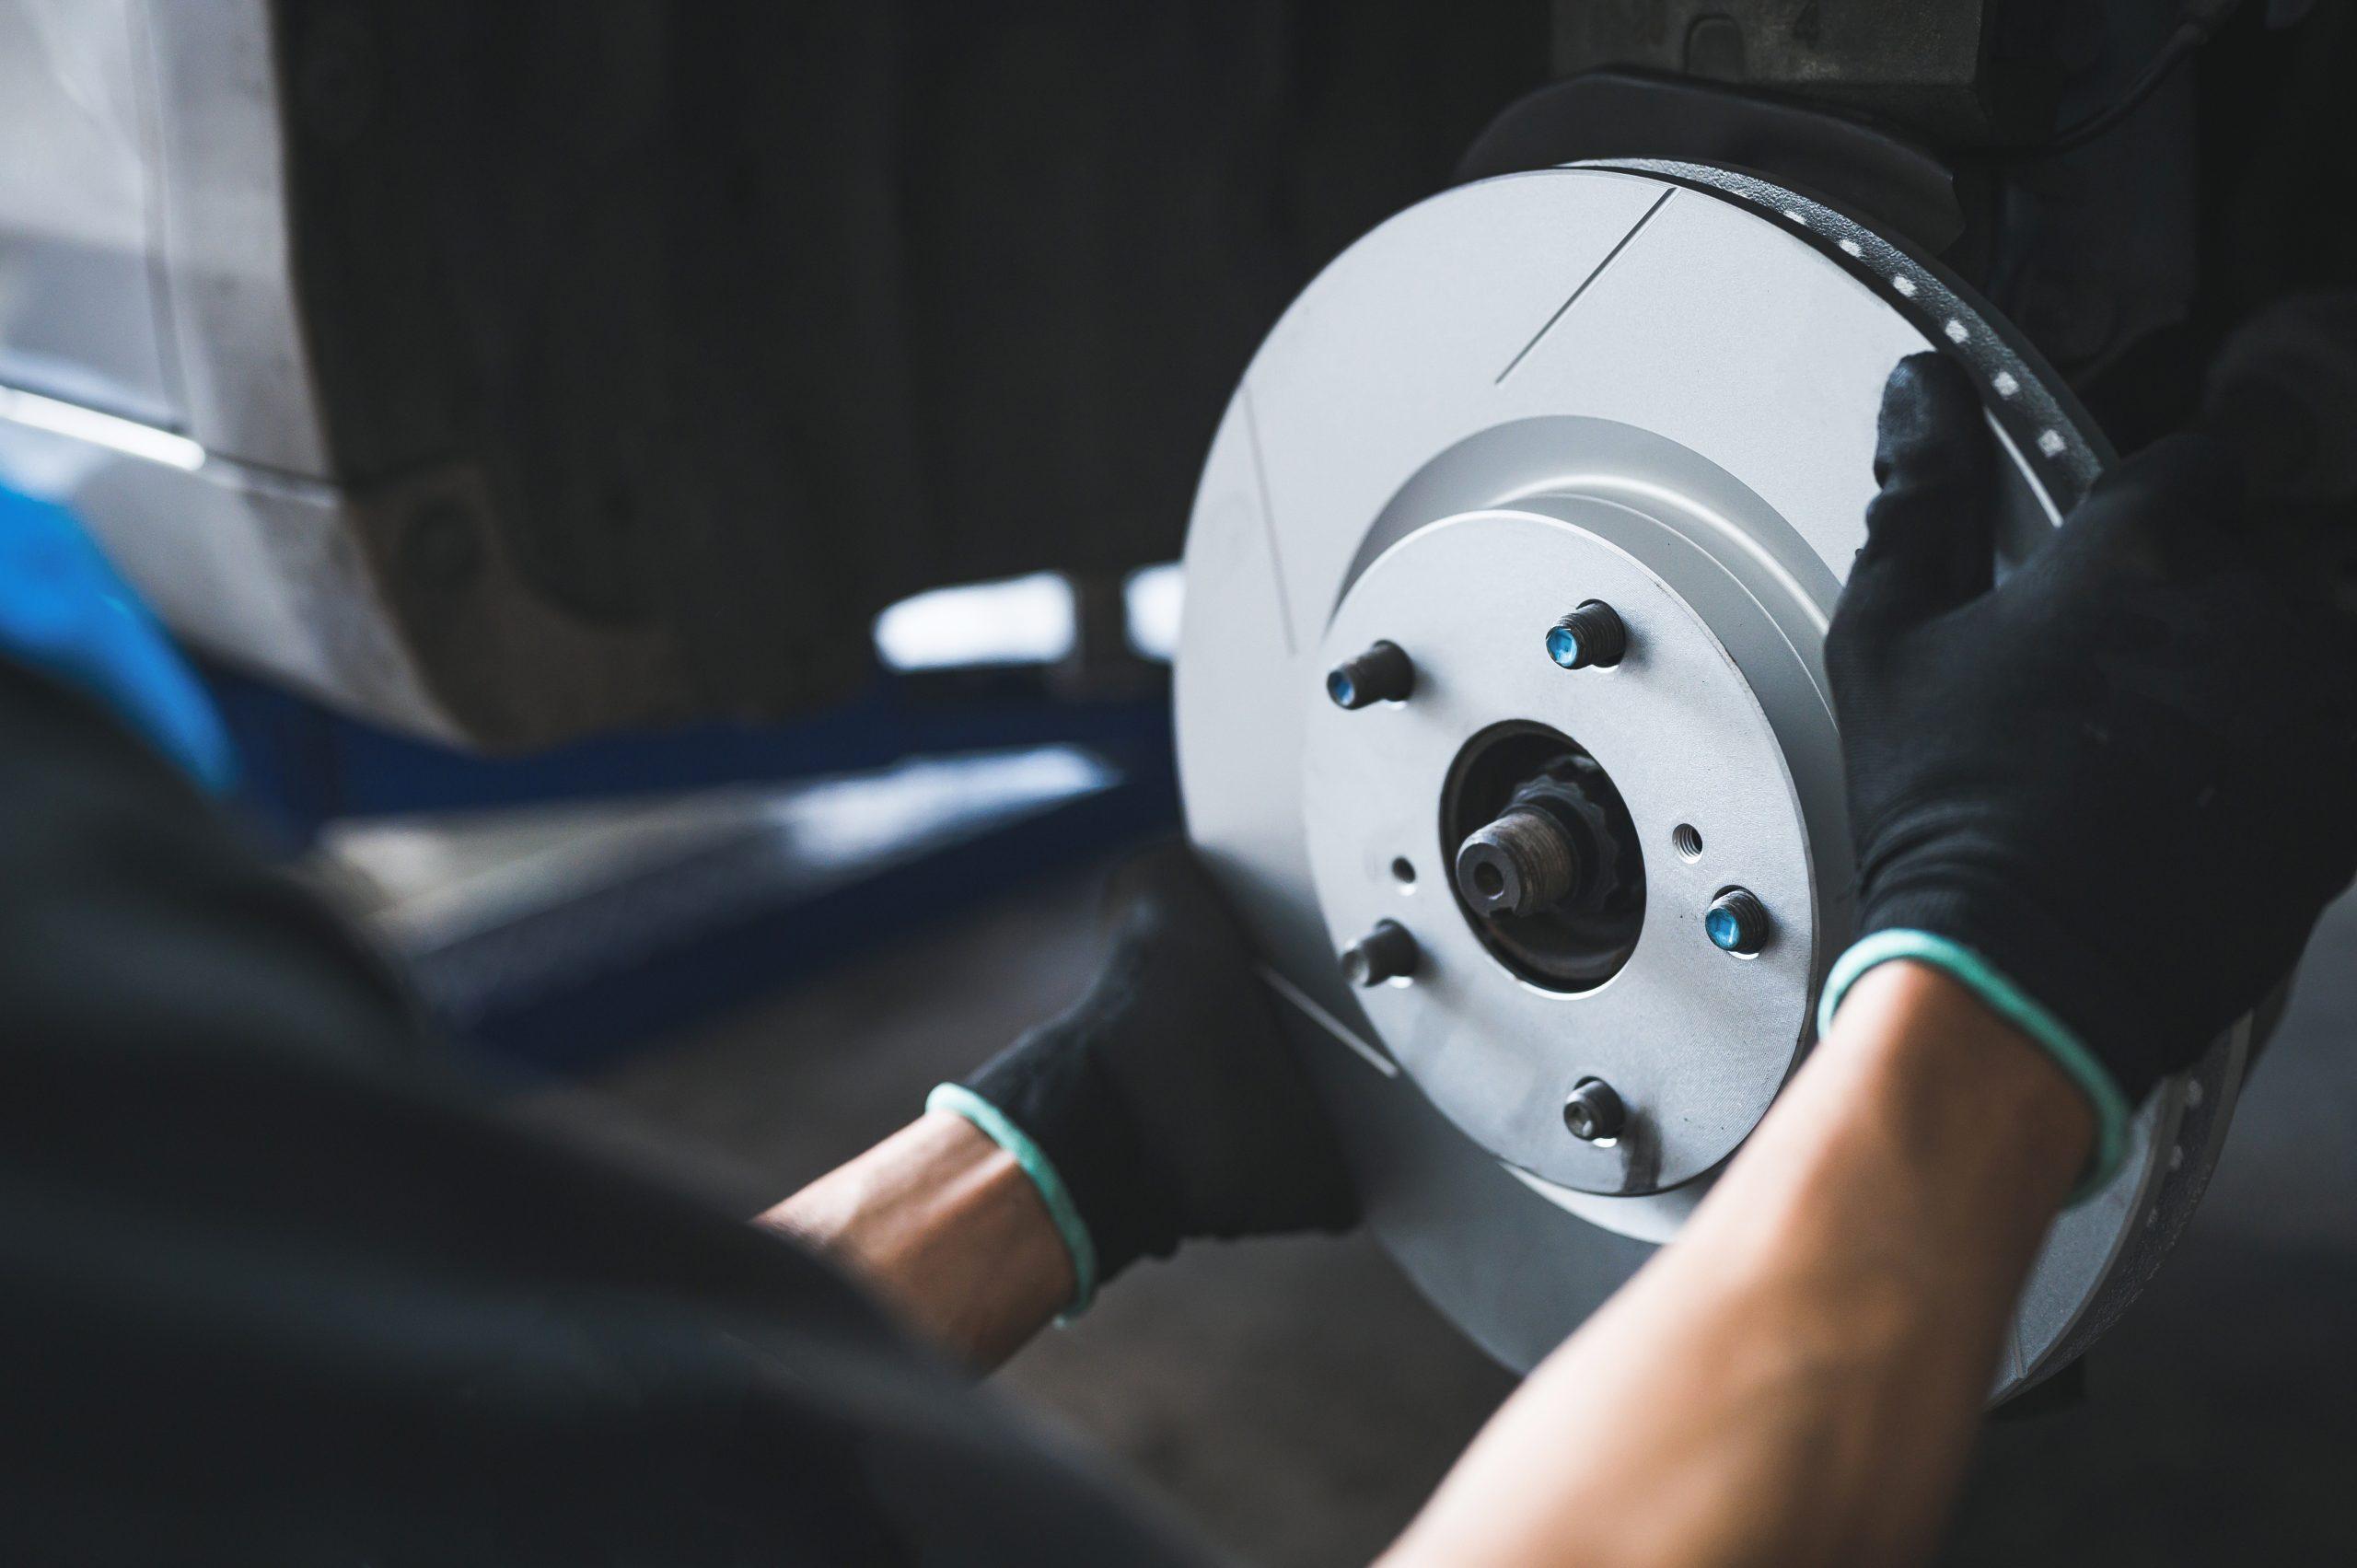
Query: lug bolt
1594	1112
1386	952
1591	635
1382	674
1737	923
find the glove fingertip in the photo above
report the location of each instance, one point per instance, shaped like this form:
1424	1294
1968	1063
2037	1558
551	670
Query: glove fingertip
1931	530
1930	421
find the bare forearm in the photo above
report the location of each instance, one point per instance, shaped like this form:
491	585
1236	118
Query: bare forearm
943	1224
1798	1378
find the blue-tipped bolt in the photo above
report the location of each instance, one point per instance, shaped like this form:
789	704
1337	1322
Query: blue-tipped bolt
1386	952
1382	674
1591	635
1737	923
1593	1112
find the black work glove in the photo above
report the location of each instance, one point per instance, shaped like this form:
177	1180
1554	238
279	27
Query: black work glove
1166	1103
2112	793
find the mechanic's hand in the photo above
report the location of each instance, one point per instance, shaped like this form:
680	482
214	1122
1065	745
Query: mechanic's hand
1167	1102
2119	785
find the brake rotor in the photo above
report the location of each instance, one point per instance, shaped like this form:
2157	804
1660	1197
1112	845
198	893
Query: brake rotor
1652	388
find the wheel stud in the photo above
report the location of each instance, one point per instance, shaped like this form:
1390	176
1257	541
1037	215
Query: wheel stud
1591	635
1594	1112
1386	952
1382	674
1737	923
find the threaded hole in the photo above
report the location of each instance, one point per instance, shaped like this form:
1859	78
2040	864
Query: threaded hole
1403	871
1686	840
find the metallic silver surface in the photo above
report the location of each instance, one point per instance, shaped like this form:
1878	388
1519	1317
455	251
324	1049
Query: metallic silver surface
145	274
1655	387
145	268
226	259
81	310
1695	1046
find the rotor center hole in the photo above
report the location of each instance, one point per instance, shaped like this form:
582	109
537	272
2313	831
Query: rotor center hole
1525	799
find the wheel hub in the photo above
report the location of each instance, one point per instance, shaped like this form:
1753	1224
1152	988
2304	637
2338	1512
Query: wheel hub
1509	1012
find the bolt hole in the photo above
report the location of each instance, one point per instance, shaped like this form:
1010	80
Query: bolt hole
1403	871
1489	880
1686	840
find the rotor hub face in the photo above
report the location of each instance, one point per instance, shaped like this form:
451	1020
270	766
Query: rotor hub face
1653	386
1692	1039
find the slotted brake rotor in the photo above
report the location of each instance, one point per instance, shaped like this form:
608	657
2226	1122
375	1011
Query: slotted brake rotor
1503	717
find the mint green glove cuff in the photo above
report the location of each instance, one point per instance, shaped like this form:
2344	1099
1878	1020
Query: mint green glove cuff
2009	1002
992	1123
